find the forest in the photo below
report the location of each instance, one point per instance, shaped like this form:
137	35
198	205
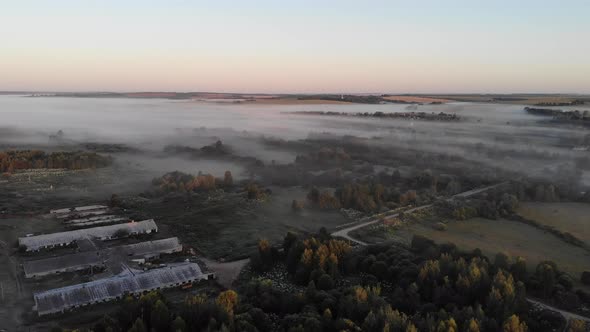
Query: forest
13	160
341	288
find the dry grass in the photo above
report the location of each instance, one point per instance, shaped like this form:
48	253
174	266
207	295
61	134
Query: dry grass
573	218
513	238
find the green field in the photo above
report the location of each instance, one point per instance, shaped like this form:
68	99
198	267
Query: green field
513	238
573	218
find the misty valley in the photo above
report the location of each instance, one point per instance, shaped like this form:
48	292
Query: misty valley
373	214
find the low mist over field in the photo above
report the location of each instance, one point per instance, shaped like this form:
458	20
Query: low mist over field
504	136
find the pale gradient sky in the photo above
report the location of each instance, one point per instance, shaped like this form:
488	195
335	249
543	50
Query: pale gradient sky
296	46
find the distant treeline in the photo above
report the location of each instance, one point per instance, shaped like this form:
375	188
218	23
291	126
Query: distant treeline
361	99
559	114
35	159
441	116
567	103
348	98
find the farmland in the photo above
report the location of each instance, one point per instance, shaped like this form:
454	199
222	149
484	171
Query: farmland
573	218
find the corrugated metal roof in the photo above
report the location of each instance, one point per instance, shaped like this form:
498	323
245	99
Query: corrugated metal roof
55	239
57	300
78	209
82	260
95	220
151	247
83	214
92	218
73	262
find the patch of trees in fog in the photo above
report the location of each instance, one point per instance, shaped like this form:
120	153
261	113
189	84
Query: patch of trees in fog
14	160
182	182
441	116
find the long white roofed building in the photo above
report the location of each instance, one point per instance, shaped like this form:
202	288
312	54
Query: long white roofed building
113	288
45	241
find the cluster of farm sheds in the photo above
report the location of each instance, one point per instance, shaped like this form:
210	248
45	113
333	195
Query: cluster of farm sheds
123	261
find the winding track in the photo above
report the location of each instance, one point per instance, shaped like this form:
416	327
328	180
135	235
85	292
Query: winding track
566	314
344	232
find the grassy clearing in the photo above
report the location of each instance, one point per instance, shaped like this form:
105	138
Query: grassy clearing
573	218
493	236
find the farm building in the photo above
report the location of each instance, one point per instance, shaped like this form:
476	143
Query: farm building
95	220
63	263
90	259
80	212
108	289
43	241
79	209
150	249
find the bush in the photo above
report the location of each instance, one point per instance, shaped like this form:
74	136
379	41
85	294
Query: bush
421	243
585	278
439	226
296	206
325	282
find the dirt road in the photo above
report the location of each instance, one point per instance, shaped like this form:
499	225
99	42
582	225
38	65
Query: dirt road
566	314
344	232
227	272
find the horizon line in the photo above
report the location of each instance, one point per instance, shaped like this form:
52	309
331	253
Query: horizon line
288	93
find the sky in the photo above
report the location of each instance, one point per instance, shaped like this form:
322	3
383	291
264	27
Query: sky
296	46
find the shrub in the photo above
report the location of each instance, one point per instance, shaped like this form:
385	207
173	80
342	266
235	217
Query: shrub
439	226
325	282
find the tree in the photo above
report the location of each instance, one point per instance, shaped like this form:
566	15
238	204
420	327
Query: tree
379	270
312	324
448	325
253	192
296	206
160	317
138	326
289	240
228	180
370	323
227	301
518	269
106	324
547	276
577	325
513	324
409	197
327	201
314	195
473	325
265	252
502	261
509	202
178	325
325	282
